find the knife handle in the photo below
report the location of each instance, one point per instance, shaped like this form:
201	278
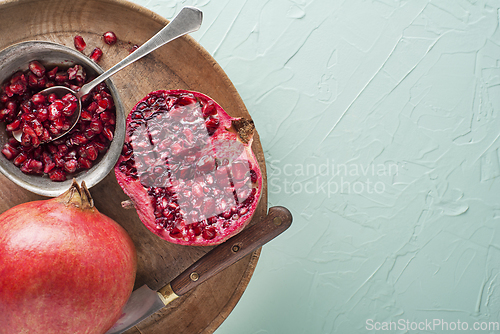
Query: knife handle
232	250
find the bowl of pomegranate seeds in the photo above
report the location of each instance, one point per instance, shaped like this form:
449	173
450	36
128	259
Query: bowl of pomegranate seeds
88	152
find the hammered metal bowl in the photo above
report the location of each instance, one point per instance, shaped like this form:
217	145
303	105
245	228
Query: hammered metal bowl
16	58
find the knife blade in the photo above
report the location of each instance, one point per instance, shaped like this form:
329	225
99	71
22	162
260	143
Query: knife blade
144	301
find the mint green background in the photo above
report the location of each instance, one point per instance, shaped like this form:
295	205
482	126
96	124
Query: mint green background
380	125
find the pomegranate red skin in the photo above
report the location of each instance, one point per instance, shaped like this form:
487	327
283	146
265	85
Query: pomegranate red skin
63	269
142	203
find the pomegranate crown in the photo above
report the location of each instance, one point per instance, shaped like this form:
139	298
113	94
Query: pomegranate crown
78	196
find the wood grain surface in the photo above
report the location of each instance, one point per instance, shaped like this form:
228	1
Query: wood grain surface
182	64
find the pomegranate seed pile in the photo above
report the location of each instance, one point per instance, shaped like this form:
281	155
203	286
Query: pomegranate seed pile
182	156
43	117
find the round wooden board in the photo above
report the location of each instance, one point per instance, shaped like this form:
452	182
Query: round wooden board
181	64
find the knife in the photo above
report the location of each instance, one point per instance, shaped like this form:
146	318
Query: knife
144	302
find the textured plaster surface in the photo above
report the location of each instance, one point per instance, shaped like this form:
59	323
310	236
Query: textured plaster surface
380	124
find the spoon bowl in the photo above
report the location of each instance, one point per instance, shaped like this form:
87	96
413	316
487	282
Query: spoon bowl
59	91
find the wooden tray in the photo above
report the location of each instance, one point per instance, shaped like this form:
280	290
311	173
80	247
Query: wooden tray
181	64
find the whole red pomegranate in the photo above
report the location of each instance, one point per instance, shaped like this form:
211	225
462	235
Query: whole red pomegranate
188	168
64	267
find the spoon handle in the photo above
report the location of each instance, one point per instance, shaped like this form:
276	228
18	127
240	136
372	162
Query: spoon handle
186	21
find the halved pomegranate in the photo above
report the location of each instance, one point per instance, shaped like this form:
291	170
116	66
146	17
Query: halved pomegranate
188	168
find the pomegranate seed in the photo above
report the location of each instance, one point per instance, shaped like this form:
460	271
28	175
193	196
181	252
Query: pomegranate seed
9	152
84	163
42	82
18	78
15	125
133	48
79	43
52	73
69	109
51	97
89	134
17	88
4	113
59	161
96	55
101	147
33	80
54	129
72	154
62	149
46	157
57	175
38	99
45	136
212	124
209	233
86	115
79	139
69	98
110	38
8	92
185	100
48	167
61	124
26	139
35	166
253	176
36	68
29	131
42	114
108	133
81	75
91	152
92	107
20	158
26	106
37	127
104	103
55	112
96	126
71	165
11	105
25	167
209	109
58	104
107	117
77	73
61	77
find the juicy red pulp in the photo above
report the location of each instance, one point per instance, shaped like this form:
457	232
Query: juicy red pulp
41	118
201	183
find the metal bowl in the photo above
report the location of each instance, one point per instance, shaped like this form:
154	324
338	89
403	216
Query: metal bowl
16	58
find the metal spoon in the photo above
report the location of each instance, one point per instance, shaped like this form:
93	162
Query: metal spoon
186	21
